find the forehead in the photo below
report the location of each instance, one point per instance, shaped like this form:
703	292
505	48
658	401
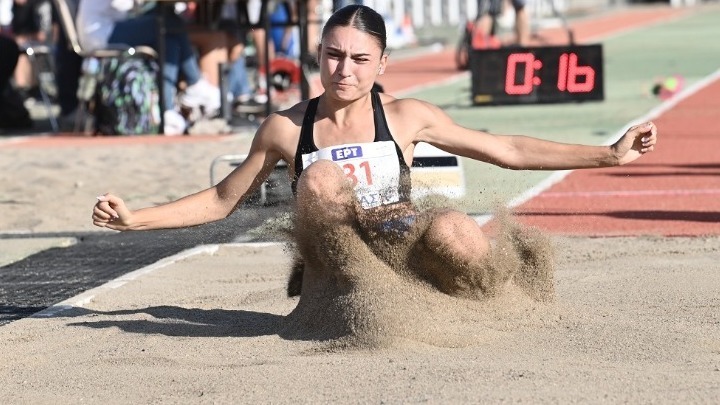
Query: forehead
351	40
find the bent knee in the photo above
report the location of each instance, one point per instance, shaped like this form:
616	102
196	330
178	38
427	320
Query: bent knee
324	193
322	180
457	231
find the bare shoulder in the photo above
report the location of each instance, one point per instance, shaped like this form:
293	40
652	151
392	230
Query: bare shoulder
280	131
409	118
410	107
285	120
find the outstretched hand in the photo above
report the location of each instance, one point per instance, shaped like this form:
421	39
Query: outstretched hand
637	141
110	212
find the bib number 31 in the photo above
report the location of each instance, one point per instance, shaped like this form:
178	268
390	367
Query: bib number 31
352	172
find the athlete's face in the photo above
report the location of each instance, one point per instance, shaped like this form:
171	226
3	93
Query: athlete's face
350	61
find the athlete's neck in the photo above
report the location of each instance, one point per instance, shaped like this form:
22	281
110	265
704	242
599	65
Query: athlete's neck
344	114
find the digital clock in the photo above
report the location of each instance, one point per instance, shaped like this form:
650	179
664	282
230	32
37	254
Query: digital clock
552	74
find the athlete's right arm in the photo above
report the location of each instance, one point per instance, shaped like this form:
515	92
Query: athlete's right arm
209	205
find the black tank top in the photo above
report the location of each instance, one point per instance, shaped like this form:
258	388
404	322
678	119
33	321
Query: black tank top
306	144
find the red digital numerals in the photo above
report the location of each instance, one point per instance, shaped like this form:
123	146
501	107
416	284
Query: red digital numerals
569	72
529	80
571	77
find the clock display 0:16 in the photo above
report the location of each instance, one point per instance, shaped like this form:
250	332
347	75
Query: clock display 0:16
557	74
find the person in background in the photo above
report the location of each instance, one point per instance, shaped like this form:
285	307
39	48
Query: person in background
10	52
68	66
13	114
31	24
8	46
489	10
284	37
240	86
226	44
104	22
6	16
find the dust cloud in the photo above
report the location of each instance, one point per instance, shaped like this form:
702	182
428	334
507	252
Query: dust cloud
366	289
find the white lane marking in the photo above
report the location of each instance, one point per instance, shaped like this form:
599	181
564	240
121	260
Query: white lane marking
629	193
652	114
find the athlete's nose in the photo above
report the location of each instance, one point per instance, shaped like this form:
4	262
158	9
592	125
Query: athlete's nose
344	68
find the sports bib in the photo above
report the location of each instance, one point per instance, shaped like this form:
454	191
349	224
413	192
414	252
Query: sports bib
372	168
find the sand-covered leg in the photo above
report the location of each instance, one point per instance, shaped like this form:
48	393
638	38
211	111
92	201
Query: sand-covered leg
324	218
349	294
328	246
455	256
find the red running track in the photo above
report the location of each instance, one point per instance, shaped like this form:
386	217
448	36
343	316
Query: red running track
674	191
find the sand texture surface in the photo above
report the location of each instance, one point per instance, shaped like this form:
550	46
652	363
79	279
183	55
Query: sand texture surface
634	320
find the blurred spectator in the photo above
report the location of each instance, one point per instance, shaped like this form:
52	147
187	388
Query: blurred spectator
224	45
314	13
284	37
103	22
211	43
237	20
31	24
6	16
13	114
10	51
241	89
67	72
489	11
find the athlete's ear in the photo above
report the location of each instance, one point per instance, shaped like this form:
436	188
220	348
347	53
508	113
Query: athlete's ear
383	63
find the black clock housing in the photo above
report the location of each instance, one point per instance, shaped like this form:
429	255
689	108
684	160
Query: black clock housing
550	74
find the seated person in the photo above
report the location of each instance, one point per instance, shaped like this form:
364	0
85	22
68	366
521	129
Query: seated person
210	44
240	87
239	84
492	9
103	22
10	52
226	45
31	23
68	68
284	37
13	114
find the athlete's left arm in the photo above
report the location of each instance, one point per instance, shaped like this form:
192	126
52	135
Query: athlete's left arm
523	152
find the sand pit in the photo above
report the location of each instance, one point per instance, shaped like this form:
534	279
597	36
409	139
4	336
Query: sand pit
634	320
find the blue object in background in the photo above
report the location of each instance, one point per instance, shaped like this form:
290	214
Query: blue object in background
281	15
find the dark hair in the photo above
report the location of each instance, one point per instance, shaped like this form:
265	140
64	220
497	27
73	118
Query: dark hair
362	18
